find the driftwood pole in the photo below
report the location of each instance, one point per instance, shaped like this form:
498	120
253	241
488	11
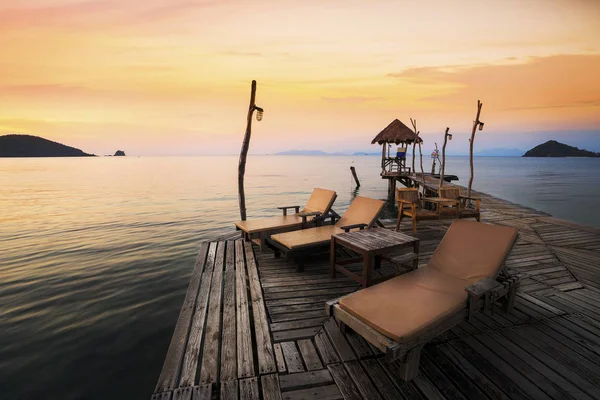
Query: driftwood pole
355	176
443	164
414	171
414	124
476	123
244	151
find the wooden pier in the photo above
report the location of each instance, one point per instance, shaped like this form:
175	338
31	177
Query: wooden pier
252	327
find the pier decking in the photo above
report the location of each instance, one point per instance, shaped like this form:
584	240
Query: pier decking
252	327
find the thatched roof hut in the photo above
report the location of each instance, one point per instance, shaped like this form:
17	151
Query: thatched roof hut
396	132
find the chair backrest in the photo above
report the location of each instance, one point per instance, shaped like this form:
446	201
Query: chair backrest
408	196
473	250
320	200
449	192
362	210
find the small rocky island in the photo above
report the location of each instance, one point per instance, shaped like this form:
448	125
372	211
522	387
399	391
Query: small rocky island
35	146
552	148
119	153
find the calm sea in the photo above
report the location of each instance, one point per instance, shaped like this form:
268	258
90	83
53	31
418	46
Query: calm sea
95	253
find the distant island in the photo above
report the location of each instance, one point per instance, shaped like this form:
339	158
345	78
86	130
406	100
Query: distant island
301	153
35	146
119	153
552	148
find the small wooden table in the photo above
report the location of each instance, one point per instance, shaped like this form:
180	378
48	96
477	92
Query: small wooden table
372	245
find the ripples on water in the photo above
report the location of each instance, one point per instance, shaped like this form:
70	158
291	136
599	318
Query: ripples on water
95	253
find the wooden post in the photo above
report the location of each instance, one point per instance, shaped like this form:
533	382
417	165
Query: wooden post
443	165
383	158
355	177
414	124
244	153
413	170
476	123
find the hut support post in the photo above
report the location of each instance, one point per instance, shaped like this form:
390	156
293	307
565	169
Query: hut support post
392	187
443	164
476	123
244	153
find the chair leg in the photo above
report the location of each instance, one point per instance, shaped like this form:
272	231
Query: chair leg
414	224
399	220
409	365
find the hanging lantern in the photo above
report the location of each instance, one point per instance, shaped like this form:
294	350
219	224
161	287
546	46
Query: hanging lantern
259	115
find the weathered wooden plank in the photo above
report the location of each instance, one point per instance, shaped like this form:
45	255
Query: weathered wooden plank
270	387
209	369
279	359
292	357
496	368
359	345
171	367
229	390
457	376
203	392
325	348
344	382
427	388
478	378
295	334
264	347
303	380
309	355
362	381
329	392
299	315
245	363
299	324
249	389
192	352
228	342
162	396
184	393
543	377
339	341
382	381
563	366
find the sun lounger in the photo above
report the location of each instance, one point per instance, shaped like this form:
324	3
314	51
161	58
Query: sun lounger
402	314
318	207
362	213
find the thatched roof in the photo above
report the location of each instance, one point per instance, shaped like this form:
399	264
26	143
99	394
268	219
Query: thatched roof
396	132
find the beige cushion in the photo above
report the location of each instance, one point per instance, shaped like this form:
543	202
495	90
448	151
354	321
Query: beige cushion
473	250
362	210
310	236
405	306
320	200
266	224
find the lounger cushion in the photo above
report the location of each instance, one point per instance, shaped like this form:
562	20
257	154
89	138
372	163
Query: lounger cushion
266	224
320	200
473	250
403	307
362	210
310	236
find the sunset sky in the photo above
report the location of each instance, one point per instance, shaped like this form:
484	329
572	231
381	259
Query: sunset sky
167	77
